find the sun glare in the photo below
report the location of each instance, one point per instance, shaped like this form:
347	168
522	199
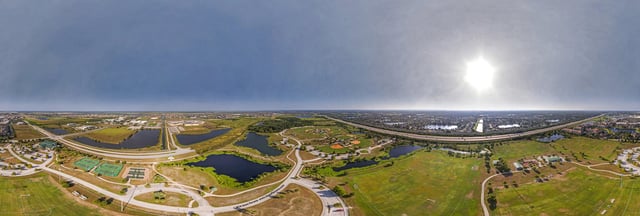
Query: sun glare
479	74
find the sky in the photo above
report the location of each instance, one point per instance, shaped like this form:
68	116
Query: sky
292	55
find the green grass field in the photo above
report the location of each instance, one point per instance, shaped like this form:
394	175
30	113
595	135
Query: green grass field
238	129
86	164
108	169
111	135
26	132
580	192
425	182
593	148
513	151
35	195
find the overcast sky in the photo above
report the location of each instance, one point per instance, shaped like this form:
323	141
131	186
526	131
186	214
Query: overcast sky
259	55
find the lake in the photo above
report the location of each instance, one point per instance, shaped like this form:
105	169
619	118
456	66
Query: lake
260	143
141	139
394	153
402	150
57	131
236	167
188	139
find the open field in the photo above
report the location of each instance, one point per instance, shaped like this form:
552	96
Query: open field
593	148
512	151
295	201
238	129
26	132
426	181
332	139
35	195
170	199
254	194
111	135
196	176
579	192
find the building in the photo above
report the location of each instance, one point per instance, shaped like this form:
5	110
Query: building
552	159
48	144
518	166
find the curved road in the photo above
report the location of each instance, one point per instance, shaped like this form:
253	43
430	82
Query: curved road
461	139
160	155
327	196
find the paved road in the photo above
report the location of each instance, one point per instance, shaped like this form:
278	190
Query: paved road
327	196
482	193
160	155
461	139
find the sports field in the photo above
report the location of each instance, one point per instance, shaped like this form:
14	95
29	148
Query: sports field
86	164
108	169
36	195
425	182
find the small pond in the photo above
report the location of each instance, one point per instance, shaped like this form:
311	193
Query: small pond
141	139
57	131
188	139
402	150
234	166
395	152
260	143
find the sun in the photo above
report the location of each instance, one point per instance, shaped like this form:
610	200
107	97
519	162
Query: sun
479	74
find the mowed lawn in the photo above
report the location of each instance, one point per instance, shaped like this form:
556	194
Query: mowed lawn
593	148
427	183
111	135
35	195
513	151
580	192
26	132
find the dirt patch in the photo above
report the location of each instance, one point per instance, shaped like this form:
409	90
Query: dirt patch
336	146
469	195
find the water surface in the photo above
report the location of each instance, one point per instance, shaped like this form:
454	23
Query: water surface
260	143
188	139
141	139
234	166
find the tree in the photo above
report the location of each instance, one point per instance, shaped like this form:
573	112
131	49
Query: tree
340	191
493	202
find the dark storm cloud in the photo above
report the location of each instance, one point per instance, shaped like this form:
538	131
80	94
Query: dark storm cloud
77	55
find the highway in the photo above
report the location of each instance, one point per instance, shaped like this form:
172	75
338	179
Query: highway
459	139
160	155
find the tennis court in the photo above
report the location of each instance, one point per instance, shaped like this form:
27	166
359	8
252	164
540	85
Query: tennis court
108	169
86	163
136	173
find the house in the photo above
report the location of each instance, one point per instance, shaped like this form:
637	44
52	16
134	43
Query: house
48	144
551	159
518	166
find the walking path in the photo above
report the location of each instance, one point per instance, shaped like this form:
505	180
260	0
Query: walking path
328	197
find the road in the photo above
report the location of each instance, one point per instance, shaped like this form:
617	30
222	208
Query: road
485	211
461	139
327	197
160	155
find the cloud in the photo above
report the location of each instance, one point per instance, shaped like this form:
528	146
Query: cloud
331	54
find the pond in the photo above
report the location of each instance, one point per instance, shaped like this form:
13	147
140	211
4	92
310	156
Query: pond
402	150
57	131
394	153
188	139
356	164
236	167
260	143
141	139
